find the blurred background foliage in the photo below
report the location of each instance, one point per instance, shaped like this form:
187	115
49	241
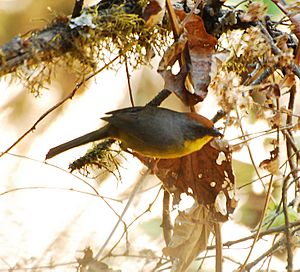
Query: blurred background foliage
18	17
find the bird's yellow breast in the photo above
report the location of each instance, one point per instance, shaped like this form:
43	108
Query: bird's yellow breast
195	145
189	146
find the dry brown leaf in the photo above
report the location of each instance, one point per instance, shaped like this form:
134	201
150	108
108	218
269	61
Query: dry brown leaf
198	39
272	164
89	264
255	12
176	84
172	54
154	12
275	120
288	81
288	112
191	231
198	59
202	174
201	47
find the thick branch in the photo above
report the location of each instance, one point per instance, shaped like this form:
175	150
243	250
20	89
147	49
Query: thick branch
65	35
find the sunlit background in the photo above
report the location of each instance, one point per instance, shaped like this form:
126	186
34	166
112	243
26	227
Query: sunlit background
49	216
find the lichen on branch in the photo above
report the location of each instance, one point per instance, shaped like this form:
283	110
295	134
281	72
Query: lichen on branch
100	32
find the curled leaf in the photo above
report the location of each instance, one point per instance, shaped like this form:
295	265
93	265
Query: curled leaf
272	164
191	83
154	12
191	231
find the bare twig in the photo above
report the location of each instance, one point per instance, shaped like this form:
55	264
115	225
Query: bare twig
42	267
159	98
290	139
129	83
61	169
77	8
287	223
220	114
296	69
261	234
219	253
18	189
277	246
293	145
267	72
274	47
270	257
249	151
268	196
176	27
134	192
186	19
126	227
166	219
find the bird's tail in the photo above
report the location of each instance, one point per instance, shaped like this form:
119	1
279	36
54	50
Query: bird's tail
96	135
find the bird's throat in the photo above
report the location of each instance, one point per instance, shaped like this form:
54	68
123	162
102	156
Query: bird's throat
195	145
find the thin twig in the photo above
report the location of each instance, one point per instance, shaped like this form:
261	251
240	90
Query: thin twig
77	8
267	72
296	69
134	192
278	245
129	83
63	170
274	47
267	175
159	98
166	219
137	256
293	145
18	189
187	18
77	177
268	196
260	223
260	133
270	257
287	223
291	138
69	96
109	254
261	234
39	268
176	27
219	254
249	151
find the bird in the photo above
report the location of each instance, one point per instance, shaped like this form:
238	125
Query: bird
151	131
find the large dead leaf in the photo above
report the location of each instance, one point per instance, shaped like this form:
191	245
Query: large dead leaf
191	231
206	175
190	85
